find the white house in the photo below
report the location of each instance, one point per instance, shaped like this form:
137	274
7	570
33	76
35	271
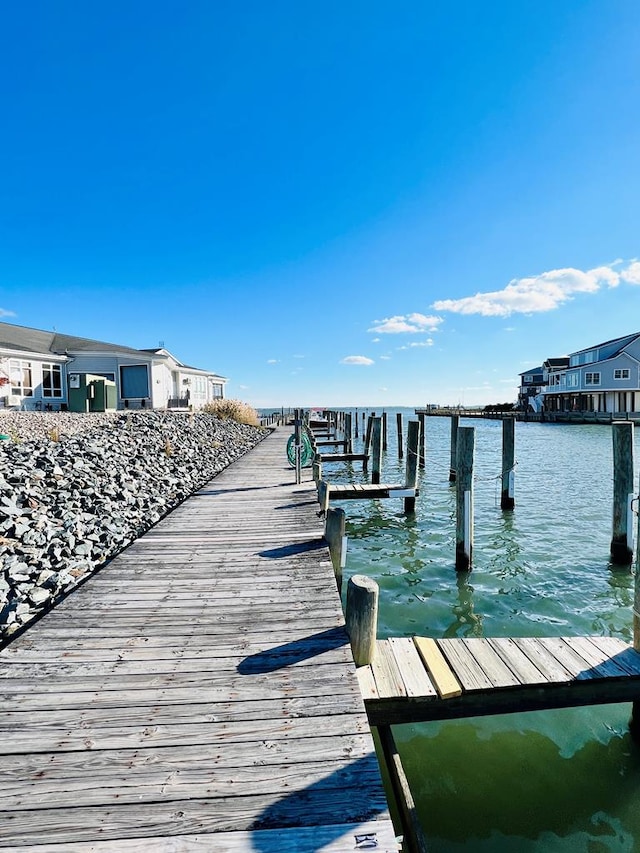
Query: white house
38	369
601	378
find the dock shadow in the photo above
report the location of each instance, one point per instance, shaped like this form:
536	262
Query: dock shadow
286	654
293	548
351	795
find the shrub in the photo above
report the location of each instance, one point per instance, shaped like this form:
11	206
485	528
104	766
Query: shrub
233	410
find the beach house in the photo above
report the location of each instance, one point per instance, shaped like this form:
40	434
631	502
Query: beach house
51	371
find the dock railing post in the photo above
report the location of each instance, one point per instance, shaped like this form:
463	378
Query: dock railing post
376	449
361	618
384	431
455	425
507	495
356	423
421	419
622	535
411	466
399	426
334	533
464	499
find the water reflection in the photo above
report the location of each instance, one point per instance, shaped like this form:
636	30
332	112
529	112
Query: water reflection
466	623
553	795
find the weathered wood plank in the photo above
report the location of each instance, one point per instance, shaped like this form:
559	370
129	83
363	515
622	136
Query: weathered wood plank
342	838
570	659
385	671
516	659
204	816
543	660
367	682
490	661
414	675
468	672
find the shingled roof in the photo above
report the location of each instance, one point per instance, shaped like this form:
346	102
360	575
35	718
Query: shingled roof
24	339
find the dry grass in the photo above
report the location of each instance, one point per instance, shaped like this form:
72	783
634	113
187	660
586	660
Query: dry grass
233	410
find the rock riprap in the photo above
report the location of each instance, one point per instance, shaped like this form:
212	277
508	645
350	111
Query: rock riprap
76	489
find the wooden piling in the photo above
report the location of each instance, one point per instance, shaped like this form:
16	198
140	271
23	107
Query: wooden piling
622	535
297	425
421	420
411	467
376	449
455	424
464	498
367	438
413	835
399	425
507	496
384	431
334	533
348	445
361	617
356	423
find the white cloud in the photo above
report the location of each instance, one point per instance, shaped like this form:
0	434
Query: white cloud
383	389
544	292
632	273
243	387
5	313
357	359
385	357
375	340
273	361
406	323
298	356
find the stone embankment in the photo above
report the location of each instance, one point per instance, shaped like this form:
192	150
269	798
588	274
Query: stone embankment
77	489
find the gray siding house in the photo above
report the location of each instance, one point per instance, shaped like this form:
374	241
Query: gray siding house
601	378
38	369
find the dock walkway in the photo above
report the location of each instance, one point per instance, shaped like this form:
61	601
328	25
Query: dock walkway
198	693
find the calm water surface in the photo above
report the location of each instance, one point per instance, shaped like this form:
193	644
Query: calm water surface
564	780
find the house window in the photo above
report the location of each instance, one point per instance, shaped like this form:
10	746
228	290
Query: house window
528	380
51	380
572	380
216	391
622	373
592	379
20	377
134	381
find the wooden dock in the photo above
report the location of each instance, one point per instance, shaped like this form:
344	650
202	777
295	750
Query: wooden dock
420	679
198	693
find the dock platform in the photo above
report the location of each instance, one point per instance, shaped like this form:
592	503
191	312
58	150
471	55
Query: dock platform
421	679
198	693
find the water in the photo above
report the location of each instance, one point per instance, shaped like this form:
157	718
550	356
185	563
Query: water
565	780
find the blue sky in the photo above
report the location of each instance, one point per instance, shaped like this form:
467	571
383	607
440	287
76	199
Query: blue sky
345	203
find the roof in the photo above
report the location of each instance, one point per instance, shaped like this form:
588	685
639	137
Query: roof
622	342
557	362
531	370
25	339
53	343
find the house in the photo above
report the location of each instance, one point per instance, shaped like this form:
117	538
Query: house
47	370
601	378
531	383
